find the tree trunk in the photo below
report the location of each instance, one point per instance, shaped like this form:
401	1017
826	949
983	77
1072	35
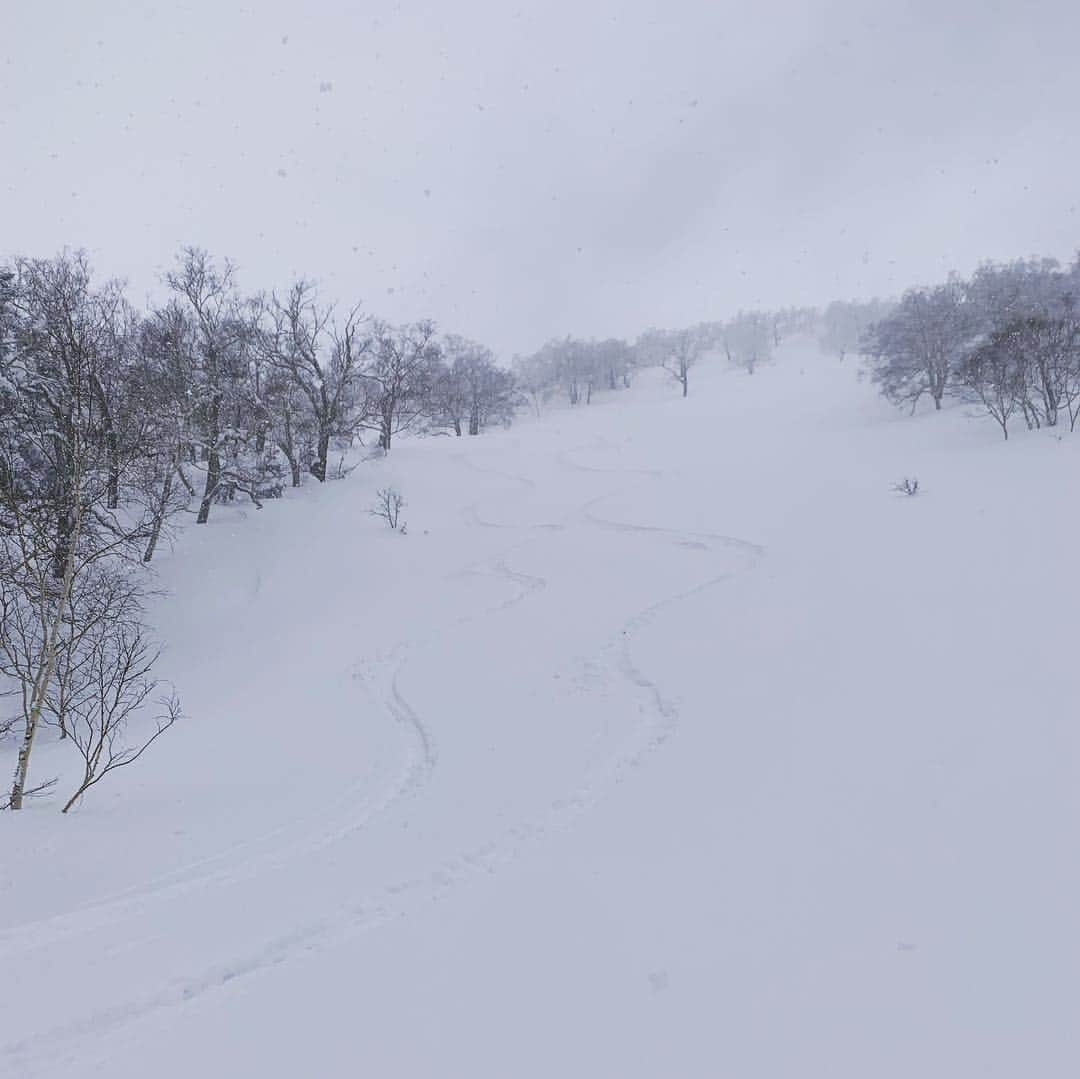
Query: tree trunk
159	513
112	497
213	465
185	481
66	496
213	477
76	796
112	444
22	763
46	664
319	468
62	550
288	447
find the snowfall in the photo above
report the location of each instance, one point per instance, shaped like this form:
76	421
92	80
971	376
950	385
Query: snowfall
667	740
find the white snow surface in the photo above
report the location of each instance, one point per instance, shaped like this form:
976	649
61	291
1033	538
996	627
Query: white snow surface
669	741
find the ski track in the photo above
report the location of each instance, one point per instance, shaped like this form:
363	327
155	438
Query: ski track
297	837
470	514
67	1043
379	676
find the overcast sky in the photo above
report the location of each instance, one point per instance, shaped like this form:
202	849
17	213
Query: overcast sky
524	170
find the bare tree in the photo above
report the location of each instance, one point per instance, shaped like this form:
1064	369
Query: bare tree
448	397
401	366
475	388
1051	346
322	359
220	335
32	608
158	396
292	426
918	347
676	351
388	505
533	378
994	373
748	339
110	681
58	467
844	325
682	353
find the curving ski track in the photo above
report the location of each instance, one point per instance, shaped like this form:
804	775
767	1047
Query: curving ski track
66	1043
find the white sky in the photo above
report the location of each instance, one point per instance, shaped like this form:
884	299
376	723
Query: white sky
520	171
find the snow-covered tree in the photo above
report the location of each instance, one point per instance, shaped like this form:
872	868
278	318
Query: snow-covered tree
400	368
918	347
321	359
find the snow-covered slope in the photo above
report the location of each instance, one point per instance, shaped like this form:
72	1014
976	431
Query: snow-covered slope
669	741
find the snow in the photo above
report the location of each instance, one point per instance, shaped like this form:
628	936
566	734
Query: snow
668	741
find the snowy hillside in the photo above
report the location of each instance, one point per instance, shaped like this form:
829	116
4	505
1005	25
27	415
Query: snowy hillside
669	741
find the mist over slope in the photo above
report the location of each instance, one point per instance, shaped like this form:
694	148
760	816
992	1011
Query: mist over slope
668	740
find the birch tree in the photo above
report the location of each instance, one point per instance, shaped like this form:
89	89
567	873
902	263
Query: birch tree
322	360
59	474
401	365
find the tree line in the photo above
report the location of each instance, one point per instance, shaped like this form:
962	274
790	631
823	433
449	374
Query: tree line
1006	339
573	369
113	421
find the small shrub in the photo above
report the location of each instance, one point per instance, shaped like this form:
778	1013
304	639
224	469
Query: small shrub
388	505
909	485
